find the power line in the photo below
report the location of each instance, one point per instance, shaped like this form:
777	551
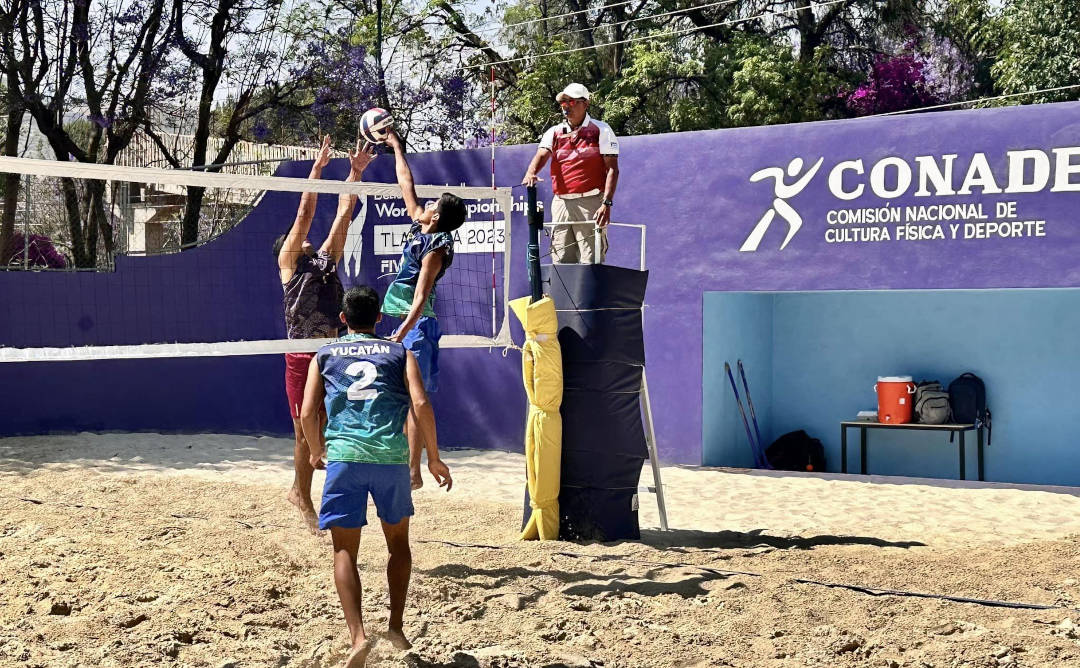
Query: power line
232	88
983	99
644	18
558	16
602	25
670	33
487	29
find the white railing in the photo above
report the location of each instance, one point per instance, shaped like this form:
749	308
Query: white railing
144	152
596	238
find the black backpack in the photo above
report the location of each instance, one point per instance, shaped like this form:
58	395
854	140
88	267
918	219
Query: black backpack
967	396
796	451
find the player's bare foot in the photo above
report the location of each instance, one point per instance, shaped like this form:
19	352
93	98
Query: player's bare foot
307	511
415	479
398	640
359	654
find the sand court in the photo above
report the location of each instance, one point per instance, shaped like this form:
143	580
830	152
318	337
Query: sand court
703	499
131	549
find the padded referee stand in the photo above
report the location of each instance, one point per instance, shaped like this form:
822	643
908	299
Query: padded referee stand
603	349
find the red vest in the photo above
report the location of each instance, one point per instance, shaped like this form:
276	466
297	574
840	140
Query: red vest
576	163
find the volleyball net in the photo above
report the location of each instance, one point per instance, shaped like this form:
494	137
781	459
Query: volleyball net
110	276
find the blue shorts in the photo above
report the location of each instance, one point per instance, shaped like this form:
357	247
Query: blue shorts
423	341
345	494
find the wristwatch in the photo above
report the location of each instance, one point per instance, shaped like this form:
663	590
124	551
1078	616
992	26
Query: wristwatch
607	202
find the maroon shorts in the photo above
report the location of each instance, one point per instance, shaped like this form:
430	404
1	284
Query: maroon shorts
296	372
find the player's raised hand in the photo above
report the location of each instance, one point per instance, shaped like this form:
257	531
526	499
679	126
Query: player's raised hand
361	157
322	159
441	472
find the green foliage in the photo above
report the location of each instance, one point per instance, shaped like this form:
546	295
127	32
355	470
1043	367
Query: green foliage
531	107
742	73
769	86
82	132
655	92
750	80
1040	48
748	76
969	37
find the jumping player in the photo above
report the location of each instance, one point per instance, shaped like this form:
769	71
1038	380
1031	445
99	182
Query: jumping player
425	257
312	302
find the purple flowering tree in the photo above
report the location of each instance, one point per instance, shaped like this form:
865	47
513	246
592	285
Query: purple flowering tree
895	83
414	71
39	250
433	106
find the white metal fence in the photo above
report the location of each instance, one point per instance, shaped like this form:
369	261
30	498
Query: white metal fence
145	152
40	206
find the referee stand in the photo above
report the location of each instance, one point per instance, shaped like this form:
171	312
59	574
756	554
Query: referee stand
608	427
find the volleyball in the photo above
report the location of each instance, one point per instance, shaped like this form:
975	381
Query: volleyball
375	125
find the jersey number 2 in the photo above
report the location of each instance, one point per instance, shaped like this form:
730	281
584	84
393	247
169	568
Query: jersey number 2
365	373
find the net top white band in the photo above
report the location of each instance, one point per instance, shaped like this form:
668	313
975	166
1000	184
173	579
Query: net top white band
217	349
182	177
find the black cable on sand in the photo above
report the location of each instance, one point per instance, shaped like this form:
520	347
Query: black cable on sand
872	591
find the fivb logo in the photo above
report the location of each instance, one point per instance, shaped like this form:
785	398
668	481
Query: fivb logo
1025	171
784	191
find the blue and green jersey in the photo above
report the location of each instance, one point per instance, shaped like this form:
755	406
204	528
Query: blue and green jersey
399	296
367	400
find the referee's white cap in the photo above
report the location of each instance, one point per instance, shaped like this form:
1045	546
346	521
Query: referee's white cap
574	90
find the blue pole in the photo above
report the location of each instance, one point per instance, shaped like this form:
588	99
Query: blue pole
753	416
746	424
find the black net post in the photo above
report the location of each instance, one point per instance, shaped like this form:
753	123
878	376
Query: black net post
536	222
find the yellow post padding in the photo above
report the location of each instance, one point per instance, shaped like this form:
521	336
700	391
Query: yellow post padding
541	366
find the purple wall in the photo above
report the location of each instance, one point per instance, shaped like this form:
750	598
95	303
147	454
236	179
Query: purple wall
694	191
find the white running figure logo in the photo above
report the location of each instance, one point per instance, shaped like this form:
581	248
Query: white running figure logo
779	205
352	255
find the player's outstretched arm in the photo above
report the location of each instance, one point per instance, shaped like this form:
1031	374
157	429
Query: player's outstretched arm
339	230
404	176
430	267
425	419
294	240
314	394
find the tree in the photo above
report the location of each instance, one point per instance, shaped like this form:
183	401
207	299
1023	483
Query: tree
413	73
896	83
771	86
1040	49
674	65
38	251
967	38
9	185
241	47
61	60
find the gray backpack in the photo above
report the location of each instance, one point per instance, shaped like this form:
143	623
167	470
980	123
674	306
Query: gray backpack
932	403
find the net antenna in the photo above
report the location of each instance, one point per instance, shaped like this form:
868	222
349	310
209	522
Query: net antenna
93	321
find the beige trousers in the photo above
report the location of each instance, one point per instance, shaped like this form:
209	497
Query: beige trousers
574	241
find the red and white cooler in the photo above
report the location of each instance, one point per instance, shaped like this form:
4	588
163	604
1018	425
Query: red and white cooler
895	397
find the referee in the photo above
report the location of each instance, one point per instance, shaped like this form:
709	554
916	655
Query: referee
584	156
